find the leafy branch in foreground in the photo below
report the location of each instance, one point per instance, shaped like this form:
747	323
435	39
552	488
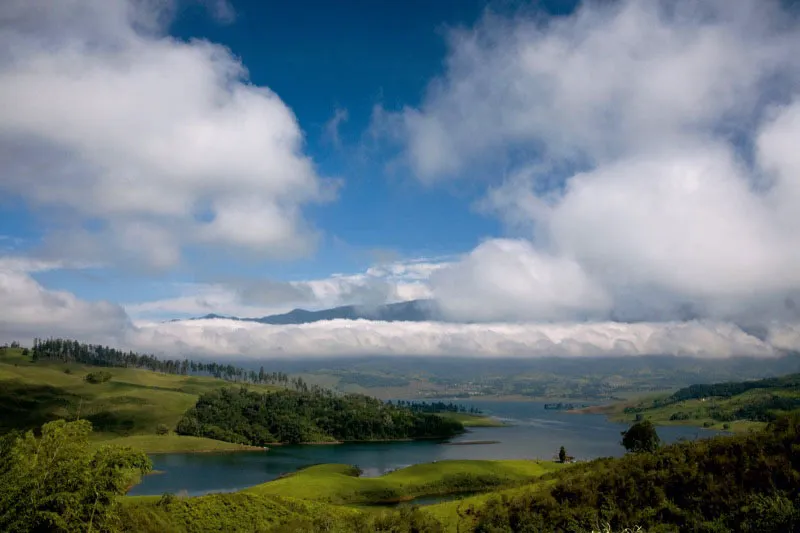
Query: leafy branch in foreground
57	482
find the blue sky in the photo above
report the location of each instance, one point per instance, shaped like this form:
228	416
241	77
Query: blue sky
538	162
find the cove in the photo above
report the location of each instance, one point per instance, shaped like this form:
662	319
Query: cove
536	433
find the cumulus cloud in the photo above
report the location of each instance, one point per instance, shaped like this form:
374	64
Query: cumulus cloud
652	155
142	144
28	310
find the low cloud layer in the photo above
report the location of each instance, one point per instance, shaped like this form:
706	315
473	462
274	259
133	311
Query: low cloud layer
650	161
30	310
138	146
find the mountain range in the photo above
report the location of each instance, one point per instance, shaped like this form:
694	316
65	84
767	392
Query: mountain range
410	311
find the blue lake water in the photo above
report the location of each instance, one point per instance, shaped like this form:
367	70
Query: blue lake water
536	433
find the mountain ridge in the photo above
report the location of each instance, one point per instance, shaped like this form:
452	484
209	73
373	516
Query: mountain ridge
408	311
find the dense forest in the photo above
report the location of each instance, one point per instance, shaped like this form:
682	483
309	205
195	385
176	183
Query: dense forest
733	388
435	407
71	351
242	416
748	483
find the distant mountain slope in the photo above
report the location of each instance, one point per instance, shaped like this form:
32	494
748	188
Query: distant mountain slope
411	311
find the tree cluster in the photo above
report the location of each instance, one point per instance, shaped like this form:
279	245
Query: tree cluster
71	351
436	407
246	417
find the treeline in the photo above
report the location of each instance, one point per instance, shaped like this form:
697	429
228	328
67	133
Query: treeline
747	483
247	417
72	351
435	407
726	390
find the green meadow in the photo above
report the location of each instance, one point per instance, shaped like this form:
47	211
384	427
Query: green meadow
127	409
341	484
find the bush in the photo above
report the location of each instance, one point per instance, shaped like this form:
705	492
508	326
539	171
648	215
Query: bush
68	371
162	429
100	376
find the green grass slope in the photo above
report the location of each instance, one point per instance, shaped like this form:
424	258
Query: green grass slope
734	406
133	403
473	421
340	484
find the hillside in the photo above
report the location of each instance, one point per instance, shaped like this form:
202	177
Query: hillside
127	408
745	483
735	405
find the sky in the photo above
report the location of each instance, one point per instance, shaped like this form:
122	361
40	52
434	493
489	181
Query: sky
613	177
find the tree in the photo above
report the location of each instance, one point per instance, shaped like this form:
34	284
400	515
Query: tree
641	437
57	482
562	455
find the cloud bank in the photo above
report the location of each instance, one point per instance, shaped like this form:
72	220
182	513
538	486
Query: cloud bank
651	156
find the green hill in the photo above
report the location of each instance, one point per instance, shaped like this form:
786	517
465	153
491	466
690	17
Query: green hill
735	406
128	408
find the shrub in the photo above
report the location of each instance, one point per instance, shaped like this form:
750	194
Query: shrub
162	429
100	376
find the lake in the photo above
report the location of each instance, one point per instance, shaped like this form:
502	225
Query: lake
536	433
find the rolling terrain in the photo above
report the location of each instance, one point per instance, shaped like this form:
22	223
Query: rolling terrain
126	409
734	406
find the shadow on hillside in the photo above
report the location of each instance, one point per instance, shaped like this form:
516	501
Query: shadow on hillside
25	406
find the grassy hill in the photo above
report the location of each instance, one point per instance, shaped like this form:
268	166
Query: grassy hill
127	408
340	484
330	497
735	406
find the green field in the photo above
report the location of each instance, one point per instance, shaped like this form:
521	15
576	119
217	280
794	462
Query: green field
127	409
340	484
474	421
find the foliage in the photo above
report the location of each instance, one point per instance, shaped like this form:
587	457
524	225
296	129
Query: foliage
562	455
247	417
57	482
641	437
436	407
100	376
745	483
162	429
71	351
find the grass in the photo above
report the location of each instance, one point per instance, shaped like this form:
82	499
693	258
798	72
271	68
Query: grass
133	403
172	443
340	484
231	513
475	421
452	513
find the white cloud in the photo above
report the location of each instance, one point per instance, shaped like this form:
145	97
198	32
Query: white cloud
29	310
510	280
385	283
364	338
157	143
651	156
340	116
